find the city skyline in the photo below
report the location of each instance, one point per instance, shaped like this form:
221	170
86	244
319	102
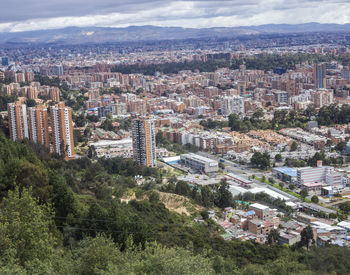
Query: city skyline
35	15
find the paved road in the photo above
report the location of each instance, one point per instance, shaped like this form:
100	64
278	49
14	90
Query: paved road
232	167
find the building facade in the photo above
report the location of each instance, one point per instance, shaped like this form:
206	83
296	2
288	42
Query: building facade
144	141
18	121
320	75
38	125
62	130
200	163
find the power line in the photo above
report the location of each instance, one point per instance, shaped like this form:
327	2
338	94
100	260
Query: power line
108	230
112	221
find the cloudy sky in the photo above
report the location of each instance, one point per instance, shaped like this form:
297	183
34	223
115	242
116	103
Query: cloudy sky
24	15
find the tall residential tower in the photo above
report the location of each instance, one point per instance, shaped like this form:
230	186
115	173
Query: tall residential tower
144	141
62	130
38	125
18	121
320	75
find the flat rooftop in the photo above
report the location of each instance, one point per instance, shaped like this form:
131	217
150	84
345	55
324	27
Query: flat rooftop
259	206
112	143
199	158
287	171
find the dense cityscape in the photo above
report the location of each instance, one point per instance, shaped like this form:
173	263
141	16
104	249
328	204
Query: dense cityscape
209	155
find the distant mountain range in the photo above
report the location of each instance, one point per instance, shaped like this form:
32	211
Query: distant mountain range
77	35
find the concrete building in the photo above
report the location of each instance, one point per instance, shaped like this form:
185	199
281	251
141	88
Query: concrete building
55	94
319	174
144	141
62	130
119	109
232	105
18	121
320	75
200	163
286	174
281	97
38	125
262	211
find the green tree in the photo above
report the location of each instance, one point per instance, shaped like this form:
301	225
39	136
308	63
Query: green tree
25	228
340	147
30	102
96	255
221	165
306	236
304	193
207	196
294	146
224	196
314	199
154	197
261	160
345	207
273	237
182	188
278	157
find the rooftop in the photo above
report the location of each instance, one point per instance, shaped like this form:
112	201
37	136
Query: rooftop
200	158
287	171
259	206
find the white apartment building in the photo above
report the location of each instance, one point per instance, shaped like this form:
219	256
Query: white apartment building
232	105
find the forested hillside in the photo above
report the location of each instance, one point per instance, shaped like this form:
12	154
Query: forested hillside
60	217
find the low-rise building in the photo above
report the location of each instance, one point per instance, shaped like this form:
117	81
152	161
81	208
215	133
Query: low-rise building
200	163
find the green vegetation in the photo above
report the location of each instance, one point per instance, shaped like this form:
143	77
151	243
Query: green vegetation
257	62
174	147
345	207
314	199
5	99
281	187
282	119
172	67
261	160
266	199
213	124
326	116
60	217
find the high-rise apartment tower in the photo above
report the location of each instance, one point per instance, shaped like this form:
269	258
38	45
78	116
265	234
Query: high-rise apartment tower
62	130
144	141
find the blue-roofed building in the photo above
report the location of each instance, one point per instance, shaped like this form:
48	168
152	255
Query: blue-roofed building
249	213
286	174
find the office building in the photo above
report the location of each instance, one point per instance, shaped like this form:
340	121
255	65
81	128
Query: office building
200	163
18	121
317	174
62	130
320	75
144	141
38	125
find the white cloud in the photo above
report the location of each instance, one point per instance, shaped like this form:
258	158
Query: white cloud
196	14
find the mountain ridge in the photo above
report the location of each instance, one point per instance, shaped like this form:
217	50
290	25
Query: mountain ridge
81	35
